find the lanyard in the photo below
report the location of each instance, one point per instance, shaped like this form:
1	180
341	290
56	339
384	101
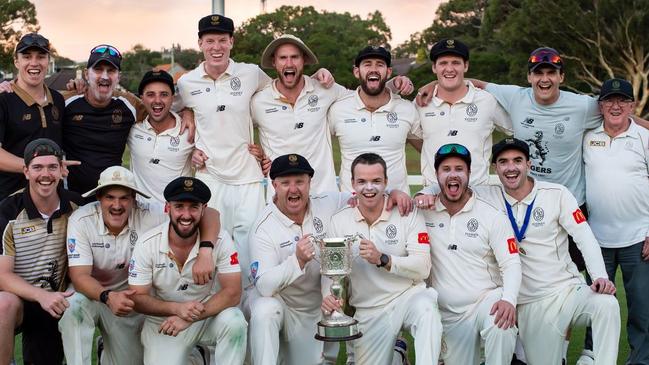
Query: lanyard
520	234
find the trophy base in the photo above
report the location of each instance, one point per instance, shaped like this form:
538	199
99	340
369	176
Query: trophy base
337	333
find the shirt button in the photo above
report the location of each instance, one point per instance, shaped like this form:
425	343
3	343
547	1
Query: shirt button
148	139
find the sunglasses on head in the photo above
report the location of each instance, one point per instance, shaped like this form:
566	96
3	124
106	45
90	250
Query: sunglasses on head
545	56
453	148
45	150
33	39
104	48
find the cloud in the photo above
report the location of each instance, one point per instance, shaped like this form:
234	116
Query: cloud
75	26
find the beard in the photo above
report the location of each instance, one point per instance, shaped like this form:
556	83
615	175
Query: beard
183	234
373	92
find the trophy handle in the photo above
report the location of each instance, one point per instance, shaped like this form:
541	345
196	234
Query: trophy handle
317	247
349	241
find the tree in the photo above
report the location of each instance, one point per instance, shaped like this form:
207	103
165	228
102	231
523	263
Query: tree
135	64
335	38
17	17
600	39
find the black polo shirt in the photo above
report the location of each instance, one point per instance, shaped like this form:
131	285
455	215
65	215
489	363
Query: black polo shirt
96	137
23	120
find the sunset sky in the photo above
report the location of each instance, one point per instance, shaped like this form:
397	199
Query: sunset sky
75	26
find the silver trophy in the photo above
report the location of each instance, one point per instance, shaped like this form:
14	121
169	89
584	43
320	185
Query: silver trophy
336	263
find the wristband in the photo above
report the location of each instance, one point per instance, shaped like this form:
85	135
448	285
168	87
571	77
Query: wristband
103	297
206	244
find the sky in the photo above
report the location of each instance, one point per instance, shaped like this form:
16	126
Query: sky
75	26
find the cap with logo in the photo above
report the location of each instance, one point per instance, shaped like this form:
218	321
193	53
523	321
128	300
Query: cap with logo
544	56
509	143
105	53
33	41
449	46
373	52
156	76
115	176
452	150
291	164
41	147
616	87
187	188
215	23
269	52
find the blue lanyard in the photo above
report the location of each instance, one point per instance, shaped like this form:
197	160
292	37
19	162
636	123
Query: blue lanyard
520	234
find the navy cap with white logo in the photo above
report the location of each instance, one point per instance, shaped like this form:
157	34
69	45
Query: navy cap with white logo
187	188
291	164
373	52
616	87
215	23
449	46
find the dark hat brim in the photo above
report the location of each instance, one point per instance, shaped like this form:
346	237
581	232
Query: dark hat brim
292	171
187	197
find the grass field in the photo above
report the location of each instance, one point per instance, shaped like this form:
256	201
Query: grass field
413	165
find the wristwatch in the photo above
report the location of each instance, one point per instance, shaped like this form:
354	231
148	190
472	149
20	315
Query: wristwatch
206	244
103	297
385	260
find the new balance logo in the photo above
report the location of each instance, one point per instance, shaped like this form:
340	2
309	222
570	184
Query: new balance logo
452	247
299	125
375	138
452	133
154	161
528	120
220	108
183	287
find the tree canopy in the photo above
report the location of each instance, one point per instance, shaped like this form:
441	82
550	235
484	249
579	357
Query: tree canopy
17	17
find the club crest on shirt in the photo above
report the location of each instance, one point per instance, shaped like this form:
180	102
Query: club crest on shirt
472	110
174	141
559	129
392	117
472	225
391	231
132	238
235	83
538	214
117	116
55	113
313	100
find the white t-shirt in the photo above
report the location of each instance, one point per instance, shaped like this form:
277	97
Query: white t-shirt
383	132
301	128
469	122
553	132
91	244
156	159
473	253
617	185
274	267
222	115
404	239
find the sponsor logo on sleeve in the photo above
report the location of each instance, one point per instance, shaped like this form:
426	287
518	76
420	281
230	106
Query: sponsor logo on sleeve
422	237
72	244
579	216
254	268
512	246
131	268
234	259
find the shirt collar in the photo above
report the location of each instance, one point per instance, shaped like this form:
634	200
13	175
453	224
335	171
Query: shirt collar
164	244
384	108
528	199
308	88
174	131
64	203
286	221
439	207
228	71
466	99
385	215
28	99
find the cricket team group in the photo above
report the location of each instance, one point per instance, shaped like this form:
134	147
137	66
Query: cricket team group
205	250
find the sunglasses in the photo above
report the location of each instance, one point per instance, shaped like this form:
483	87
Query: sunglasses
545	56
452	148
34	39
104	48
46	150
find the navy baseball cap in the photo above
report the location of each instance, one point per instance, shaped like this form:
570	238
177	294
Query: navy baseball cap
449	46
373	52
509	143
33	41
187	188
156	76
290	164
105	53
215	23
616	87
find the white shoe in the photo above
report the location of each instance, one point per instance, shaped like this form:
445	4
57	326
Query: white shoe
587	358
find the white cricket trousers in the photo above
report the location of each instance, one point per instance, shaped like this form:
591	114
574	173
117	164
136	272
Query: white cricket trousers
415	311
462	338
121	334
239	206
278	332
543	324
226	331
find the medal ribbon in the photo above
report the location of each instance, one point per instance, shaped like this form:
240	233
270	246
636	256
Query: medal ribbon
520	234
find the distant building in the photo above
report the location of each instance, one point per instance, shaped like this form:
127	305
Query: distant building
60	78
174	69
402	66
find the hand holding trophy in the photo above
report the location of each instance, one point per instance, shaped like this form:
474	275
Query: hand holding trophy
336	263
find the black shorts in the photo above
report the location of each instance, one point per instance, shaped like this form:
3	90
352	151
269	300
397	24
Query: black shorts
41	337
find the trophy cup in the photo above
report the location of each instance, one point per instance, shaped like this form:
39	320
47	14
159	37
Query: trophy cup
336	264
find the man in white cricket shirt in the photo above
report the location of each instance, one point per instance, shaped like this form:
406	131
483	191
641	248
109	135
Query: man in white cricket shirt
388	290
616	157
374	119
476	266
459	113
179	313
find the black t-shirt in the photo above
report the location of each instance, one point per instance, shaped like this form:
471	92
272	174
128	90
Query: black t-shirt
96	137
23	120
